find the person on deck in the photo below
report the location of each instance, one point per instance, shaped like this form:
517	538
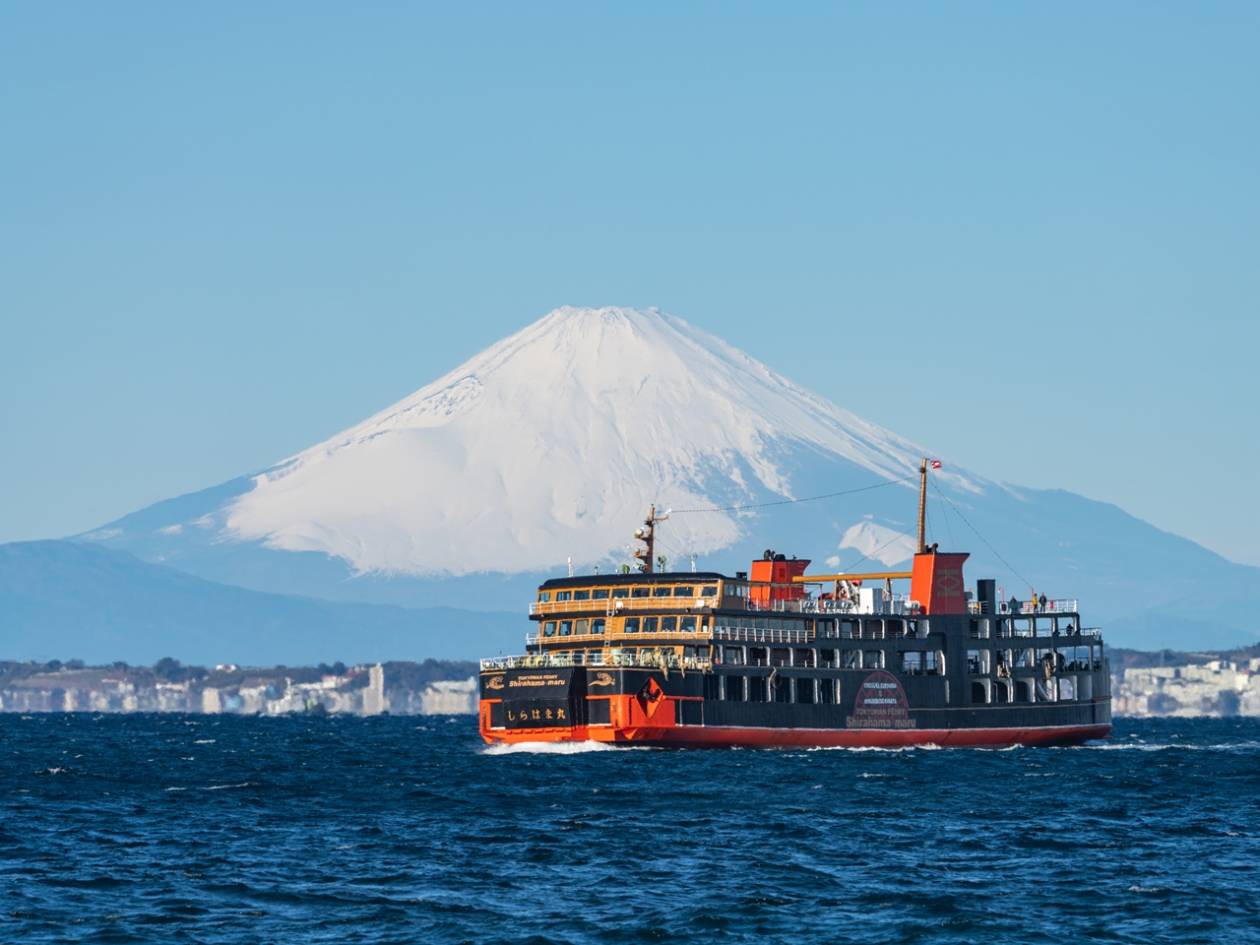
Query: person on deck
1042	601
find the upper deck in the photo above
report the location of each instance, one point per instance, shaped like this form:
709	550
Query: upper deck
586	620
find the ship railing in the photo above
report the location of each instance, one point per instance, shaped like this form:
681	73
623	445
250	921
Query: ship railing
627	659
1062	605
894	605
610	606
761	635
618	636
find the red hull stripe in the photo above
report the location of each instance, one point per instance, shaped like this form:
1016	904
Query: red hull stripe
715	736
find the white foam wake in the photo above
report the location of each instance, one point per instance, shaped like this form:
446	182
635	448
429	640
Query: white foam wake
548	748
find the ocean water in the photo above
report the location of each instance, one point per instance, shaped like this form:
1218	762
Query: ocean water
297	830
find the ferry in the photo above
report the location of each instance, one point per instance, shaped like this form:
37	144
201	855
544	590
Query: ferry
779	657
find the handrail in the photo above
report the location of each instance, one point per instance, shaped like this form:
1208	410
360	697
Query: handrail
701	633
1028	608
612	606
896	605
628	659
760	635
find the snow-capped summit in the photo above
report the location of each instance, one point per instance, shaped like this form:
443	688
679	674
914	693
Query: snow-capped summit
549	444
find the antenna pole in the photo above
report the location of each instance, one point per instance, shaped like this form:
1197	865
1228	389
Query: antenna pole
923	506
646	535
651	538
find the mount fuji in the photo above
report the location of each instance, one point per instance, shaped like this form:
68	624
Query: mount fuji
549	446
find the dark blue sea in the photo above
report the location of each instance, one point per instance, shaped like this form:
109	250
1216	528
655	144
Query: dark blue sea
296	830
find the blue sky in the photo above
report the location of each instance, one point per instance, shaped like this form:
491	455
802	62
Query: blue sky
1026	236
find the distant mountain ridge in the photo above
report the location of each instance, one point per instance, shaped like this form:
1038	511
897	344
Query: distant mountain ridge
69	600
550	445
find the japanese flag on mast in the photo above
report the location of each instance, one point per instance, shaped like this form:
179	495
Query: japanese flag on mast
935	463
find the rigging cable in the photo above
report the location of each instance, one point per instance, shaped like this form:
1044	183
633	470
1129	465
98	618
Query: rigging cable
998	555
810	498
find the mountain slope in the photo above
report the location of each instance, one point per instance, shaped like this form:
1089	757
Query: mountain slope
550	445
68	600
547	444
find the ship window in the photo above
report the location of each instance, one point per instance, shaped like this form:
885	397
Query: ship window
851	659
848	629
709	590
733	655
979	693
757	656
804	658
597	625
826	658
566	628
1023	690
782	690
581	595
684	591
687	625
620	592
669	624
600	593
912	662
932	662
660	592
649	624
734	689
756	689
549	628
641	592
544	596
563	595
805	691
872	659
632	625
581	627
779	657
827	691
1067	689
896	628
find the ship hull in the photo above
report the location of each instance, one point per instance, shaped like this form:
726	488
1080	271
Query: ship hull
751	737
867	709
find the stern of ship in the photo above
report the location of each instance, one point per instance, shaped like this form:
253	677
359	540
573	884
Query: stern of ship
585	703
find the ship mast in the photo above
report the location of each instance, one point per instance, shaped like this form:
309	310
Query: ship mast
923	466
646	533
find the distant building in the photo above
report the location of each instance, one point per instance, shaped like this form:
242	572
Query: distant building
1213	688
374	701
259	692
211	703
450	697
